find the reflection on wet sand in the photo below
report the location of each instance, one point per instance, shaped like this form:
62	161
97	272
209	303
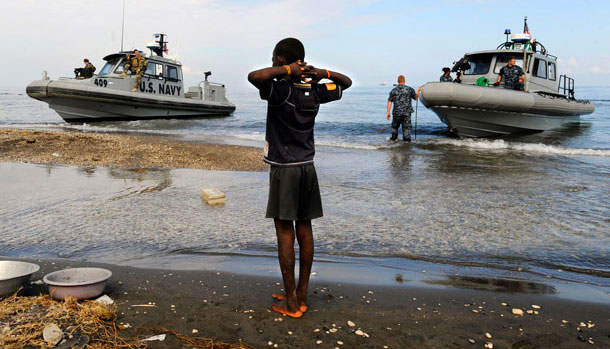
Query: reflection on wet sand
161	178
88	171
497	285
400	162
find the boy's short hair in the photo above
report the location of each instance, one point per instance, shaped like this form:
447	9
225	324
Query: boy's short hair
291	49
401	78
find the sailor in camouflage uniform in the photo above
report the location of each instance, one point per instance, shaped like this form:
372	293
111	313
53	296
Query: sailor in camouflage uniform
136	64
401	96
446	77
512	74
86	72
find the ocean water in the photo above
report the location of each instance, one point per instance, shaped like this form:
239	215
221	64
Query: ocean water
528	205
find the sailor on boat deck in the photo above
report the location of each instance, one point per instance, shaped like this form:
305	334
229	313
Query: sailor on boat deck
446	77
86	72
137	65
512	74
401	97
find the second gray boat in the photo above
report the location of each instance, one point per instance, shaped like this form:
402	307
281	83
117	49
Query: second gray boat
471	110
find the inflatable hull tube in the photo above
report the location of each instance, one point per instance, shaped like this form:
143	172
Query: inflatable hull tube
77	102
474	111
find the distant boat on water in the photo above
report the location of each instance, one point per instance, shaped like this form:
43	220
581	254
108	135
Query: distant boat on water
383	83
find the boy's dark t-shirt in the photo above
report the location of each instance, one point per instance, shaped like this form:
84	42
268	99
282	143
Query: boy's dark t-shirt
291	113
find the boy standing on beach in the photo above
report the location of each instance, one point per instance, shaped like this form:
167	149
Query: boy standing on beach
294	195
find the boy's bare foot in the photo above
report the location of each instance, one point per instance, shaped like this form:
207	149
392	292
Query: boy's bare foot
281	297
283	308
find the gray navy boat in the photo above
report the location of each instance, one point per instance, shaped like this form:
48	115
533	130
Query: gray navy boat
471	110
108	95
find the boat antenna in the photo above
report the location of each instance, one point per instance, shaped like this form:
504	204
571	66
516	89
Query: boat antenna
123	26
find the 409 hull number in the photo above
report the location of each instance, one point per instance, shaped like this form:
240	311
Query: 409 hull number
100	82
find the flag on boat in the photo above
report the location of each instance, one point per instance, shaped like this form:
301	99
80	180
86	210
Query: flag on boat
526	29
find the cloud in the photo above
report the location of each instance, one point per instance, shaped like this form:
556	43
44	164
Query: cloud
585	65
371	40
569	65
207	34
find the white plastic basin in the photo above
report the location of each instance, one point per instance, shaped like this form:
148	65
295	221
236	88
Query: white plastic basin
81	283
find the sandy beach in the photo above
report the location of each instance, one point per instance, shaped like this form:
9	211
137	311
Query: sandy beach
464	210
122	151
232	307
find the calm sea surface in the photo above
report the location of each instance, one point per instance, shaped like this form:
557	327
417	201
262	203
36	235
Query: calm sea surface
537	204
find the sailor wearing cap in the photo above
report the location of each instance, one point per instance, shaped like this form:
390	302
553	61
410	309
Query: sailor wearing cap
446	77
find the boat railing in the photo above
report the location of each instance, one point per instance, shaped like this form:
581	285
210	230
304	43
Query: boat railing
566	86
534	46
212	83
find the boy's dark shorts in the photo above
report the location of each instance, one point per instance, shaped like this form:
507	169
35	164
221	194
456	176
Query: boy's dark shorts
294	193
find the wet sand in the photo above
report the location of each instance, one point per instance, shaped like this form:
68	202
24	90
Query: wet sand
231	307
122	151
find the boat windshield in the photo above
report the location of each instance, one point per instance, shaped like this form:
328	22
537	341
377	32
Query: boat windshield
107	69
502	60
479	64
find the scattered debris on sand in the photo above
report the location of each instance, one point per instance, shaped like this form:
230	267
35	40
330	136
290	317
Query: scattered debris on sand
123	151
41	321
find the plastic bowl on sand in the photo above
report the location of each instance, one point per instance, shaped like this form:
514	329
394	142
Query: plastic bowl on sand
14	274
80	283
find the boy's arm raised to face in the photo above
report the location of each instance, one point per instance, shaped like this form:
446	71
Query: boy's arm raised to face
317	74
262	77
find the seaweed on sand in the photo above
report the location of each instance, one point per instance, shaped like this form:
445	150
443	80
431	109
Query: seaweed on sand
22	320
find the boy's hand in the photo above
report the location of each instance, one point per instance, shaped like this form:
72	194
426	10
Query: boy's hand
314	74
388	116
297	68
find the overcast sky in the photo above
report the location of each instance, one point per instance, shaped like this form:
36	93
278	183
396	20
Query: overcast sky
372	41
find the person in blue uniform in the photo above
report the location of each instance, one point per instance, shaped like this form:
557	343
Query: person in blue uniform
446	77
294	194
512	74
401	97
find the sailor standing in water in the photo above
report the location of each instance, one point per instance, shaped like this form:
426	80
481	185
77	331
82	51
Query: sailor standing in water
401	96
